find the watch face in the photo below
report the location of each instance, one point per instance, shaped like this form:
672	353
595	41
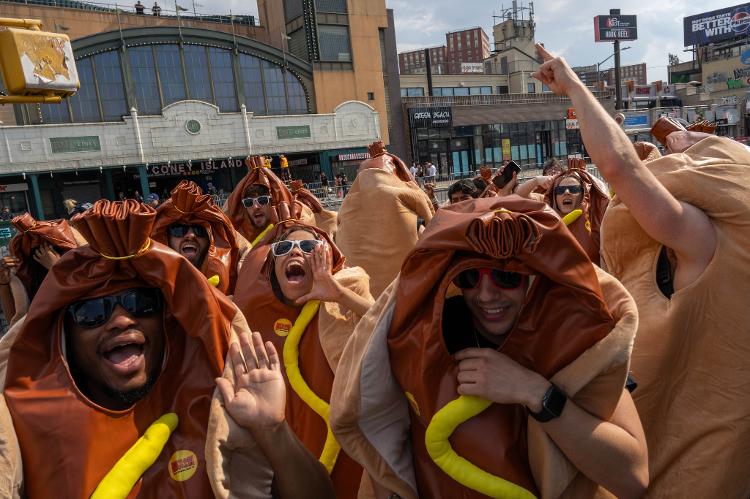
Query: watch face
554	401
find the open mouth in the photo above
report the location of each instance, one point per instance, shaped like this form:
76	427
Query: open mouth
495	313
189	250
567	202
295	272
125	353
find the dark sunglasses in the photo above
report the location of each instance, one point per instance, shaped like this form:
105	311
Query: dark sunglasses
281	248
262	201
137	302
573	189
181	230
470	278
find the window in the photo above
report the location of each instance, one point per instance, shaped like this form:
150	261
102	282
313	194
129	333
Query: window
460	91
222	75
196	69
502	89
504	65
145	85
170	73
84	102
412	92
530	88
545	88
111	88
296	94
252	84
292	9
334	43
55	113
338	6
485	90
370	95
274	84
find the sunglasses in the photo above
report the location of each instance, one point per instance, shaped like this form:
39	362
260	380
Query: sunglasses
281	248
261	200
181	230
573	189
138	302
470	278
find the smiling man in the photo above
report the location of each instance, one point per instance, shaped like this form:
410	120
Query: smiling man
191	224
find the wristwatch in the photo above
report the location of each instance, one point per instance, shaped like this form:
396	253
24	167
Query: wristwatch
553	404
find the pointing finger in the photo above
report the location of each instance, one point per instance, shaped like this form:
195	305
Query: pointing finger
546	56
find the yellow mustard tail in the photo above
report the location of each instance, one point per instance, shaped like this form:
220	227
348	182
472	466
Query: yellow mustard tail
261	235
441	427
123	476
331	448
572	216
214	280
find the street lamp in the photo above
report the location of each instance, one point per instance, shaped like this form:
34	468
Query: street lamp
598	65
284	38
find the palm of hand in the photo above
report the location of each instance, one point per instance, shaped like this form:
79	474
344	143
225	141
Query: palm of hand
324	286
259	399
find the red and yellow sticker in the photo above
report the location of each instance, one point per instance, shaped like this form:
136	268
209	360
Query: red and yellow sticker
182	465
282	327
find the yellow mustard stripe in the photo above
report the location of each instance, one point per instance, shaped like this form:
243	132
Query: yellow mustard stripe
572	216
214	280
301	388
261	235
141	251
123	476
441	427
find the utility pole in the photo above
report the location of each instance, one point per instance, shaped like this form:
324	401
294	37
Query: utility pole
618	83
428	67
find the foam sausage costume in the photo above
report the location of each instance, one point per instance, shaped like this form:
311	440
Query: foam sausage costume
378	218
188	205
319	333
283	206
691	354
593	205
67	442
575	328
324	219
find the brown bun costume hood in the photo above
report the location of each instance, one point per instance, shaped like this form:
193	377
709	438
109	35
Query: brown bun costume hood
576	328
692	355
188	205
283	203
68	443
593	205
320	348
324	219
378	218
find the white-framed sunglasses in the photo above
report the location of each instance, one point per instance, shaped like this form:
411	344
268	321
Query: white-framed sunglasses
281	248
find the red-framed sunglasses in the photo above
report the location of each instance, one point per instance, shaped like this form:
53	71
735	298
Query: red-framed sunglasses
470	278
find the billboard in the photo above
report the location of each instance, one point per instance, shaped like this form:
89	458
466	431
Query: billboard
608	28
472	67
717	25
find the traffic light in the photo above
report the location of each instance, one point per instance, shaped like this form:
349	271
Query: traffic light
37	66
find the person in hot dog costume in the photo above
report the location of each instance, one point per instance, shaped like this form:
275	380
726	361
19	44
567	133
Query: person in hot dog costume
301	298
378	218
677	235
507	349
190	223
111	378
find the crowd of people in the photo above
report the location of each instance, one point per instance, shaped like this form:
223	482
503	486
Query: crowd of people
554	338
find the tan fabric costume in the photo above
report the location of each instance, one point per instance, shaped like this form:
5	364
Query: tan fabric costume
30	273
576	328
324	219
378	219
188	205
692	356
593	205
283	205
55	423
319	350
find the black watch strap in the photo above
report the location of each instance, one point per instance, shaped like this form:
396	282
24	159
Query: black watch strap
553	404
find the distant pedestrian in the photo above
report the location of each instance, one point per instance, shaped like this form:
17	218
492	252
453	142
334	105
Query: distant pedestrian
156	10
139	8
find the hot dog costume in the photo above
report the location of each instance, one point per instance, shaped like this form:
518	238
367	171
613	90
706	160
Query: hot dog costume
309	340
283	204
585	221
188	205
324	219
692	354
576	328
378	218
68	444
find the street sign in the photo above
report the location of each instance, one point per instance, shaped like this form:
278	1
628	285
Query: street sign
608	28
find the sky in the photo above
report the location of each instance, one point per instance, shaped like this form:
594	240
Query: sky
565	26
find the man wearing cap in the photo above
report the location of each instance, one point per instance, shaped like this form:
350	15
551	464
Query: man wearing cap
191	224
111	378
152	200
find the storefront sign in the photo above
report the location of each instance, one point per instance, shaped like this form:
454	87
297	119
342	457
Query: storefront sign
506	149
353	156
611	28
431	117
293	132
298	162
717	25
13	187
636	121
183	168
75	144
571	124
472	67
730	99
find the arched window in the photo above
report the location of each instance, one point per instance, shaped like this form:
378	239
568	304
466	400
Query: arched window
296	95
274	84
222	75
252	84
196	69
145	84
169	63
84	103
111	88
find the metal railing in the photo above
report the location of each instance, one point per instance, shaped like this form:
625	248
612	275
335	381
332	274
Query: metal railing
489	100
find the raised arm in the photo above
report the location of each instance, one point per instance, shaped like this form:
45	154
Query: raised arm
673	223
